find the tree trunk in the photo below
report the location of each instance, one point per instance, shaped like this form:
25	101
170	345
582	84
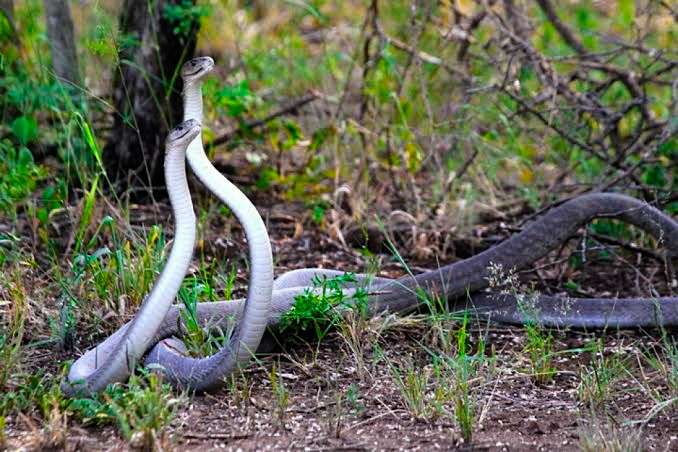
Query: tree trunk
7	8
61	41
147	93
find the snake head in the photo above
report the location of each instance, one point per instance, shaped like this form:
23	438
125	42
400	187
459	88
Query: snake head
183	134
195	69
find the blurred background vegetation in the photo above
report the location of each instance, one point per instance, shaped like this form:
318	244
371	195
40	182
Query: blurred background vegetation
437	112
442	111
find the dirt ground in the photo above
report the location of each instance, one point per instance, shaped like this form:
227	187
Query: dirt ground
517	414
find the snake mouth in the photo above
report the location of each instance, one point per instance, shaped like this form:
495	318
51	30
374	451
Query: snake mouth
183	130
182	134
196	72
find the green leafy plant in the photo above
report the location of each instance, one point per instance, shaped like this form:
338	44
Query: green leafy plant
118	278
319	308
128	270
23	396
185	15
236	99
25	129
19	176
203	287
141	410
198	340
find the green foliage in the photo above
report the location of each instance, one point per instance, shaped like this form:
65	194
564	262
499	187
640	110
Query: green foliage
185	16
141	410
31	392
212	282
318	211
320	308
102	41
19	176
25	129
118	276
287	135
28	94
198	341
235	100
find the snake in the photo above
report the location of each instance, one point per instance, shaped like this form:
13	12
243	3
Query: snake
93	372
463	285
116	358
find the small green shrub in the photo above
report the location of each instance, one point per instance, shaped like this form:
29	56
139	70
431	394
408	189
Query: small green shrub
141	410
19	176
319	308
185	15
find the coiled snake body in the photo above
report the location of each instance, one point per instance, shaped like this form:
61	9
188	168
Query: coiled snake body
452	282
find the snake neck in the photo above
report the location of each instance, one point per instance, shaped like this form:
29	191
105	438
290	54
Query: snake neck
245	339
193	110
193	101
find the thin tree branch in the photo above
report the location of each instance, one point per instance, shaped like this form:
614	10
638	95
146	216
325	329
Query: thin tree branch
563	30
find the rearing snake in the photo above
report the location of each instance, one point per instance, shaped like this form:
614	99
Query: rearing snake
112	361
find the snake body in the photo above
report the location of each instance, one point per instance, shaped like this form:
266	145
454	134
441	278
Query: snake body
453	282
206	373
95	370
127	347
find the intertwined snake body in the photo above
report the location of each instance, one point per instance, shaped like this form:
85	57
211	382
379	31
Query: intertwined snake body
452	282
94	370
